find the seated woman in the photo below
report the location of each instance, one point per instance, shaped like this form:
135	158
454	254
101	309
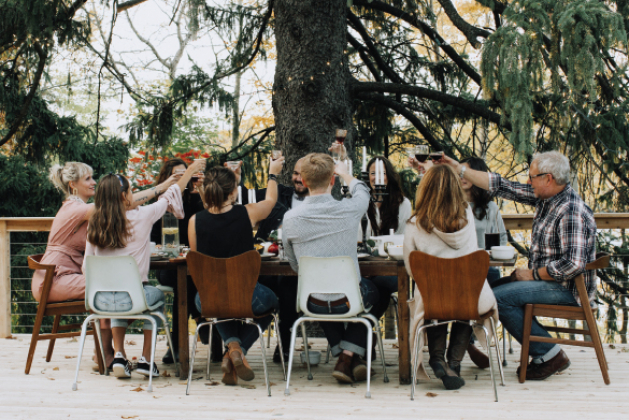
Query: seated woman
68	234
120	227
443	225
192	204
233	224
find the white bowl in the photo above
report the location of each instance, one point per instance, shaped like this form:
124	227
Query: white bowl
502	252
380	240
396	252
315	357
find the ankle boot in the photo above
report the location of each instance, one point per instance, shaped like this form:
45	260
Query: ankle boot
229	373
241	365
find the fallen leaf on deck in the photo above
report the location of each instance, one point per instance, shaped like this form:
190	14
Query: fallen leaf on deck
165	374
248	386
138	389
129	417
431	394
611	346
42	372
272	384
395	346
213	383
129	342
73	340
11	337
164	386
55	368
70	357
52	379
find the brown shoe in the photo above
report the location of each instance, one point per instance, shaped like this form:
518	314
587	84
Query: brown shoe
343	369
479	358
541	371
243	370
229	373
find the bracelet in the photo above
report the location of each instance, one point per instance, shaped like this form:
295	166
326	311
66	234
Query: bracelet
272	177
536	276
462	173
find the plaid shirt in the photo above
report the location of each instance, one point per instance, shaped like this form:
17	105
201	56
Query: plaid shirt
564	232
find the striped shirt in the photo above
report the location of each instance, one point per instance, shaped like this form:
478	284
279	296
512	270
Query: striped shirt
325	227
563	238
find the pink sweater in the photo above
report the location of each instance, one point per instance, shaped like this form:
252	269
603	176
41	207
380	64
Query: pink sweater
142	219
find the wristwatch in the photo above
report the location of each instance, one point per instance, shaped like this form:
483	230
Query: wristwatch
462	173
273	177
536	276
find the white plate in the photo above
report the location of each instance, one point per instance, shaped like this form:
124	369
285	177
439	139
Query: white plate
363	255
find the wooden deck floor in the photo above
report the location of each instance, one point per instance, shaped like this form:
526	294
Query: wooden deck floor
46	393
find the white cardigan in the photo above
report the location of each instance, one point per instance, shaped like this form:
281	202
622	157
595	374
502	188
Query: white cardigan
442	245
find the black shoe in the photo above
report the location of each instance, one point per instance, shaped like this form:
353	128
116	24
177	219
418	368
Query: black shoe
144	367
204	335
168	358
276	355
121	366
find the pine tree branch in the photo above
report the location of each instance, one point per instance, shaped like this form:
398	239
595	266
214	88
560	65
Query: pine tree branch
29	97
411	19
363	55
471	32
358	26
266	132
435	95
405	112
129	4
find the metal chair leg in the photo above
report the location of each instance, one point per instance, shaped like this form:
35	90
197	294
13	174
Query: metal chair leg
266	373
369	345
493	331
153	343
96	323
268	337
380	345
170	341
327	354
491	363
81	344
414	362
194	350
279	342
504	346
510	346
305	337
209	353
291	354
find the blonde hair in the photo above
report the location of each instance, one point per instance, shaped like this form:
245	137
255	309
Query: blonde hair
440	201
61	176
317	170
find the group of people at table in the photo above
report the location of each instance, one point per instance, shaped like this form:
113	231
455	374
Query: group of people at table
453	210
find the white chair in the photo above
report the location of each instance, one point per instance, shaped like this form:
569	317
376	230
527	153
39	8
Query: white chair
332	275
118	274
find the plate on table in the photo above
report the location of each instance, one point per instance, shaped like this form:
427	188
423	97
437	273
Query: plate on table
266	256
363	255
159	256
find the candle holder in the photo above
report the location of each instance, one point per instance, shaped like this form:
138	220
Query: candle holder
379	193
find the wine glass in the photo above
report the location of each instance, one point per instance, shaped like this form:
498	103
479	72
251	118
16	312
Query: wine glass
276	154
233	164
340	135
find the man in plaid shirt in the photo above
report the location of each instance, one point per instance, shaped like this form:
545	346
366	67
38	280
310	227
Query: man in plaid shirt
563	241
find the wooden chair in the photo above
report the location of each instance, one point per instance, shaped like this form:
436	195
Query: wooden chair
226	288
56	309
575	313
450	289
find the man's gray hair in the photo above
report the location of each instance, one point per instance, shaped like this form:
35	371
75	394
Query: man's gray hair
554	163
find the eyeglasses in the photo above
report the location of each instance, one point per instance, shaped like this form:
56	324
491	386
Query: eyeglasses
535	176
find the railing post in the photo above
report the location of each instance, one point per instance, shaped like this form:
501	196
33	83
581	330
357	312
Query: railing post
5	280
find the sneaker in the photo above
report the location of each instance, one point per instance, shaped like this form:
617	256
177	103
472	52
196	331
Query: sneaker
144	367
121	366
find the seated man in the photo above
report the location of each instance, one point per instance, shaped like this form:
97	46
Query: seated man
563	242
325	227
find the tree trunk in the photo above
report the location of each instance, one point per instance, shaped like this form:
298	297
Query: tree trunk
236	111
310	90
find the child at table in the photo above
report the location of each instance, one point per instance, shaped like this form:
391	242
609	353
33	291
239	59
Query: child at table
119	227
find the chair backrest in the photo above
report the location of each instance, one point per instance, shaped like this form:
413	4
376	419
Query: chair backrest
225	285
34	263
114	274
450	287
601	261
329	275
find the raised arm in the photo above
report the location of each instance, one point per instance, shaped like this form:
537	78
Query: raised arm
259	211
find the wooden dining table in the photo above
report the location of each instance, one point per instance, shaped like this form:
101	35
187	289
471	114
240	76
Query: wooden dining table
373	266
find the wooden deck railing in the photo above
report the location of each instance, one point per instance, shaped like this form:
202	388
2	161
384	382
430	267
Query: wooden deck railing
43	224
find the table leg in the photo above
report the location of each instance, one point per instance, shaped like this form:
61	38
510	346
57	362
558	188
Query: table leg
404	349
182	307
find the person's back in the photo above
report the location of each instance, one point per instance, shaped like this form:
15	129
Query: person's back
224	235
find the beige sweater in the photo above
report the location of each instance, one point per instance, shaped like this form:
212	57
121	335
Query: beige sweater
442	245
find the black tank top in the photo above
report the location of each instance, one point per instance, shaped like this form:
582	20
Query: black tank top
224	235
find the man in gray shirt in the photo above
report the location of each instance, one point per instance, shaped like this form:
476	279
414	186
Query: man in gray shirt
325	227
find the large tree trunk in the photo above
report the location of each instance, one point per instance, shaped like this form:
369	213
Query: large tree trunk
310	91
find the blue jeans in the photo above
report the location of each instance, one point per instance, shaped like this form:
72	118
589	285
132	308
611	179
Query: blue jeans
121	302
263	301
354	337
512	297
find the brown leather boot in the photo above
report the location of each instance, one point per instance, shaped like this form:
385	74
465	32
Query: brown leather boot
479	358
343	369
229	373
243	370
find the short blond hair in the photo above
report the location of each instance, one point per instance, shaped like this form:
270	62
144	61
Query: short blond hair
61	176
317	170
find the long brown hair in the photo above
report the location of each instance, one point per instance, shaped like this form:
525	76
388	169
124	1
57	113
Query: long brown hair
167	170
390	207
480	197
440	201
218	184
108	227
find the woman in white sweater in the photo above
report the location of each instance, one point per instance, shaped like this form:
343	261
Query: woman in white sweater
443	225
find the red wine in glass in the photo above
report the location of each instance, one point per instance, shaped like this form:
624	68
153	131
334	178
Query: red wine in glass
194	178
421	157
436	156
340	135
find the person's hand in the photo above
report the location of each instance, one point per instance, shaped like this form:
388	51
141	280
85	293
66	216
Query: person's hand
419	166
341	169
446	160
339	149
173	179
198	165
522	274
199	182
276	166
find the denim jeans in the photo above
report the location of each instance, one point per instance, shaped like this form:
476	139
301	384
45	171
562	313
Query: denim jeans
121	302
386	285
263	301
354	337
512	297
493	274
285	288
